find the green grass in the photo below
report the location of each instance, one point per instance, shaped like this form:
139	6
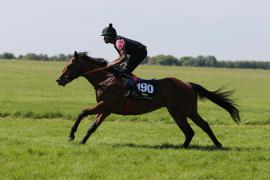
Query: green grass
34	134
38	149
28	89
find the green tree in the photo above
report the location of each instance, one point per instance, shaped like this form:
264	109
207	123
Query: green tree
7	55
164	60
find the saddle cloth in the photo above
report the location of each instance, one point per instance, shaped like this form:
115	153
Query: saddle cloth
143	86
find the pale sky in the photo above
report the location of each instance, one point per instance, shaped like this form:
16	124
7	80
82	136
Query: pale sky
227	29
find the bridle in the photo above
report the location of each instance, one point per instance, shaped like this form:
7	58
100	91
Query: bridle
95	70
92	71
103	69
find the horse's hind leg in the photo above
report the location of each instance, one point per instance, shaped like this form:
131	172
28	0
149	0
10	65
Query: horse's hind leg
198	120
181	121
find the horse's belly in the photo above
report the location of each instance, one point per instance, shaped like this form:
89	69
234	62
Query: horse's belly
135	107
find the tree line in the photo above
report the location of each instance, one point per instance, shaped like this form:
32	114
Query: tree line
37	57
164	60
205	61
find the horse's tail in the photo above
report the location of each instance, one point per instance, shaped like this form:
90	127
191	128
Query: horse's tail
219	97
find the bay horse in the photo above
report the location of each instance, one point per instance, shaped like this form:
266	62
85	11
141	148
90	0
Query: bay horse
180	98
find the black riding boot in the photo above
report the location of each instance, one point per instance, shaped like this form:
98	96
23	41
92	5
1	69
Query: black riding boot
132	89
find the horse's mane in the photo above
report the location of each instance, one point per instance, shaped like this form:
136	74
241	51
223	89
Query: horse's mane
99	61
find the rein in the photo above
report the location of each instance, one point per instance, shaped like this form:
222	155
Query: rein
106	67
95	70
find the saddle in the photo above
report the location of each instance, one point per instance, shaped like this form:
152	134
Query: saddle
138	88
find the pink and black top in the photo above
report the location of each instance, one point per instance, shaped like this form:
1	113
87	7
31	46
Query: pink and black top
131	46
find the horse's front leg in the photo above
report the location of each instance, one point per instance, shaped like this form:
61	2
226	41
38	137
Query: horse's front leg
99	119
98	109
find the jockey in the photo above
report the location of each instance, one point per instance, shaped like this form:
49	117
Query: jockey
130	51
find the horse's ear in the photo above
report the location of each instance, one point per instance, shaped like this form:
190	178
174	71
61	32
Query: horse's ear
75	54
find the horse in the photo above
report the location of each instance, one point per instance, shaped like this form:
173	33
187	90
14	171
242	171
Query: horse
180	98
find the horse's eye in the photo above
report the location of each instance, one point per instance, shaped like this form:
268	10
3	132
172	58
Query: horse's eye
71	66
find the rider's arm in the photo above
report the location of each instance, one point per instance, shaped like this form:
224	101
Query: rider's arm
122	58
120	45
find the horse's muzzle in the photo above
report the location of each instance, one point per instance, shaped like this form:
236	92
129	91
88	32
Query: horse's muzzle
61	82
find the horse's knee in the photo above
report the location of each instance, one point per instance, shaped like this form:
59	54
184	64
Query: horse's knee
82	114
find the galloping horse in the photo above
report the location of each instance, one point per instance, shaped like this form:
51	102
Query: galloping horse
180	98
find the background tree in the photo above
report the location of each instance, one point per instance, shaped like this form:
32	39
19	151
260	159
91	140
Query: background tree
164	60
7	55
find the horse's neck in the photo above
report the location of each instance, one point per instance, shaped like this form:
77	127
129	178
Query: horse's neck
96	78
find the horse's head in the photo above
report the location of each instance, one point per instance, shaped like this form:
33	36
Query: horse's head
71	71
79	65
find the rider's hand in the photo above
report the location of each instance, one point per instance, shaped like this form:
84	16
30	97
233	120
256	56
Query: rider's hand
114	63
123	65
110	65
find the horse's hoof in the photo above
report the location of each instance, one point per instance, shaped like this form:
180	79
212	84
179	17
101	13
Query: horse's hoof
219	146
184	146
82	142
71	138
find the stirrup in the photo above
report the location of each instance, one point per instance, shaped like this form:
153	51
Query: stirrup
131	93
134	94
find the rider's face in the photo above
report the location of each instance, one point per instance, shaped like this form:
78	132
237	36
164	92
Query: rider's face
107	39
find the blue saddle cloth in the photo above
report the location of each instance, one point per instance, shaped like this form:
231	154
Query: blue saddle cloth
144	87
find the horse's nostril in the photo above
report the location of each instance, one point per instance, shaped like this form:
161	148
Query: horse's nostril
59	81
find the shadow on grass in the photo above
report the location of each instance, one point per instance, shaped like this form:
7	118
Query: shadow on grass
193	147
172	146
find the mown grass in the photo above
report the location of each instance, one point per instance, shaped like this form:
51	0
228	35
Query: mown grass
130	147
28	89
38	149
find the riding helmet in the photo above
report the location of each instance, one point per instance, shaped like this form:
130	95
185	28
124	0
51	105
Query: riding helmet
109	31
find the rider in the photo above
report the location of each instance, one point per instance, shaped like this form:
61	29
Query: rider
137	51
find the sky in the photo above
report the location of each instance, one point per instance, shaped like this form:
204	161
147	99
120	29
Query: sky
226	29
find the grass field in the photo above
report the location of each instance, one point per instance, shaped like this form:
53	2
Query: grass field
38	149
36	118
28	89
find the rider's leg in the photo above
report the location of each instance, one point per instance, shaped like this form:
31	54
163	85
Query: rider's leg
132	63
134	60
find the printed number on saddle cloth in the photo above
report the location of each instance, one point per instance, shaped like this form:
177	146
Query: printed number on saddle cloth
145	88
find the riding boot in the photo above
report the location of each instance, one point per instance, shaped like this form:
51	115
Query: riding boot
132	89
132	92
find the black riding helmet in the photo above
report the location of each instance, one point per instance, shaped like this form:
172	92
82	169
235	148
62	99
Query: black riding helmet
109	31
